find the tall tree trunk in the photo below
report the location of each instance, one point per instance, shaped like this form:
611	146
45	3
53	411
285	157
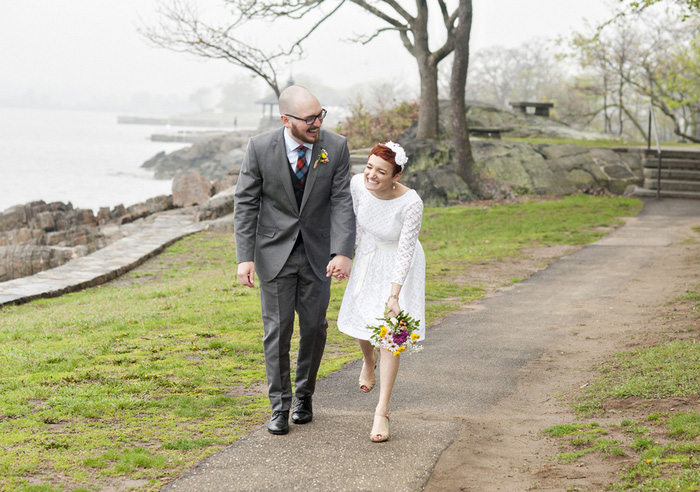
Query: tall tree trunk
428	110
458	82
620	120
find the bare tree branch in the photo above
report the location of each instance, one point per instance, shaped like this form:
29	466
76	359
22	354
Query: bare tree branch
182	29
385	17
634	121
444	12
265	9
369	37
297	44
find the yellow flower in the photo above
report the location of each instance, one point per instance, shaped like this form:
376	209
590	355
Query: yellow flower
324	156
382	331
415	336
397	353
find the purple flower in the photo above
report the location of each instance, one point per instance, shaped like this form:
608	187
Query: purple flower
401	337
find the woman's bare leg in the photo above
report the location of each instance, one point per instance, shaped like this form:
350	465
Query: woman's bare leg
369	361
388	369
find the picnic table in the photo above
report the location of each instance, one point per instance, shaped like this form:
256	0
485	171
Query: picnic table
541	108
488	132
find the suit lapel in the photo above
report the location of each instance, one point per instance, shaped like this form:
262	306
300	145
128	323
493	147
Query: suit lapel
313	171
280	152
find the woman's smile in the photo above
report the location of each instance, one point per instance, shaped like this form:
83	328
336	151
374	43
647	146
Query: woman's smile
378	174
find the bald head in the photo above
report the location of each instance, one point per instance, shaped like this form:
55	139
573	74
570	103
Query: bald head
295	97
297	104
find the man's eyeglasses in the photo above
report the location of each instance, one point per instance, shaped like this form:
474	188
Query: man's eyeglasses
310	120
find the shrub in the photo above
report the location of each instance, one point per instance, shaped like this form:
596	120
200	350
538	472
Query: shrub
366	128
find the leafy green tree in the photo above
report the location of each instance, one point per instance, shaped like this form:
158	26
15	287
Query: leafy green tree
613	56
648	57
673	85
690	5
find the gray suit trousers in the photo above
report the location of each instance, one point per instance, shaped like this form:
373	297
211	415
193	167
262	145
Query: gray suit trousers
296	288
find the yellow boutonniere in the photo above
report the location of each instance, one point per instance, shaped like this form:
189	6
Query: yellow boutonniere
323	158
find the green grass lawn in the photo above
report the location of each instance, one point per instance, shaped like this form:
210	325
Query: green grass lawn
600	142
142	378
661	445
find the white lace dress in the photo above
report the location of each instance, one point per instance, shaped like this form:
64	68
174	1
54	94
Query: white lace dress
387	251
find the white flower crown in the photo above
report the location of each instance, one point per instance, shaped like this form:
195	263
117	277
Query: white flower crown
400	158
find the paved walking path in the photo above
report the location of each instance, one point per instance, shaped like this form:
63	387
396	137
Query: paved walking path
470	362
102	265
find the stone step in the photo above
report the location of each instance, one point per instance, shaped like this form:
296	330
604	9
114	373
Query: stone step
693	153
645	193
358	160
672	163
677	174
673	185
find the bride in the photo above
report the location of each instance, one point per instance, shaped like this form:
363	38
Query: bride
388	273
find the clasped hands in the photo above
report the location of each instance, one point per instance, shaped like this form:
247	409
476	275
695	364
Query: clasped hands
339	267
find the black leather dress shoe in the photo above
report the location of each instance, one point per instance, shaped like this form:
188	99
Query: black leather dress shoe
303	412
278	424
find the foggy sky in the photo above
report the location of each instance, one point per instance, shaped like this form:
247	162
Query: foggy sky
85	50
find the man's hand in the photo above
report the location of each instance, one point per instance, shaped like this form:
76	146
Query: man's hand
246	273
339	267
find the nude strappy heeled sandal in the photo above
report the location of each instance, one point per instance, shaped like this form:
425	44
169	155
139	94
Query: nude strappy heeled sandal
380	428
366	385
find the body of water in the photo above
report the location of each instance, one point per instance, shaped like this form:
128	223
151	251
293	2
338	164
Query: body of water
81	157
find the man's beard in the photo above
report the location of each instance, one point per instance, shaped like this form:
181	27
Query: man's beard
305	137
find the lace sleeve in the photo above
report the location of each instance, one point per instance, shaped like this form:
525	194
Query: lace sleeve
407	241
354	191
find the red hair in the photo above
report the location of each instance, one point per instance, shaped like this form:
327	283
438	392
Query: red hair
385	153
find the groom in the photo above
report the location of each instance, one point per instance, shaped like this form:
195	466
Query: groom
295	228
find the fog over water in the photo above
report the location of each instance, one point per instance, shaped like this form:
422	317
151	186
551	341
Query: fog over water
81	157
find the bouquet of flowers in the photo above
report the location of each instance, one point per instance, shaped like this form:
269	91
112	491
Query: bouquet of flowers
396	334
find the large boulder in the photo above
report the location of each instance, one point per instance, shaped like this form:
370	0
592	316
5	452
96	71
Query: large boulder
24	260
229	180
504	168
39	223
622	167
212	158
517	124
191	189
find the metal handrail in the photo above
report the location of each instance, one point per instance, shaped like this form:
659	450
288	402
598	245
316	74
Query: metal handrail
652	119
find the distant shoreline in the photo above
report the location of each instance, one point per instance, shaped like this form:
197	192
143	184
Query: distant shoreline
177	121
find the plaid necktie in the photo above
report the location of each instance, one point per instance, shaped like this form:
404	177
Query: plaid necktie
302	166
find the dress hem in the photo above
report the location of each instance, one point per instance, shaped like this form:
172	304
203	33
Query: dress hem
359	334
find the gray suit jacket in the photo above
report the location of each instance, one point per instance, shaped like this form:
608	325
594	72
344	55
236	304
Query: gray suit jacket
266	217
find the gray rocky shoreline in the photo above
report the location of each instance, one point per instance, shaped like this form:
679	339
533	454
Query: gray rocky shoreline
38	236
